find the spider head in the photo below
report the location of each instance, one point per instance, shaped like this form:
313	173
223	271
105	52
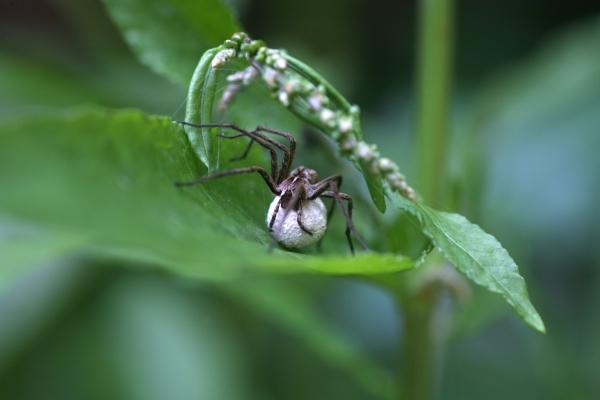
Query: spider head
306	173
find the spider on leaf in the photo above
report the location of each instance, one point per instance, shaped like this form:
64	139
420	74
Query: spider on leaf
297	217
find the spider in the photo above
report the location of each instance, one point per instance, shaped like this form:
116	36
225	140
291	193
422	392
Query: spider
297	217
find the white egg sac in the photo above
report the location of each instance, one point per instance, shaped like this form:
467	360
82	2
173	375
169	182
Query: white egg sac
288	232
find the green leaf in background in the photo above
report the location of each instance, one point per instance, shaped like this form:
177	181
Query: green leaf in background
17	242
476	254
287	305
106	178
170	35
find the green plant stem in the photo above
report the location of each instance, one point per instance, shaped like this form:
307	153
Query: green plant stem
433	92
419	368
422	346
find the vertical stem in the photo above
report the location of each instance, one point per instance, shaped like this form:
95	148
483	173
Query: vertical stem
418	368
424	340
427	317
433	92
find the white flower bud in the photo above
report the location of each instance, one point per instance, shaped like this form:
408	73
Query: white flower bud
283	98
236	77
270	76
397	180
280	63
386	165
327	116
228	95
291	86
250	74
364	151
345	124
316	100
410	193
348	144
222	57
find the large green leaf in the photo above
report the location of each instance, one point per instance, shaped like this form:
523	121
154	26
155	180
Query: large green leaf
106	179
169	36
476	254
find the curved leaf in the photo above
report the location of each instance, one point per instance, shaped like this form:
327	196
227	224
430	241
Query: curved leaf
103	180
199	107
476	254
169	35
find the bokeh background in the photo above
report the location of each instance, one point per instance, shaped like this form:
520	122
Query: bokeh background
526	98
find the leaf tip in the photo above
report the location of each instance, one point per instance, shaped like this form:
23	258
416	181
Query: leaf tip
536	322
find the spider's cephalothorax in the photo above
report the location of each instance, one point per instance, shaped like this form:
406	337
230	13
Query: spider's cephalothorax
297	216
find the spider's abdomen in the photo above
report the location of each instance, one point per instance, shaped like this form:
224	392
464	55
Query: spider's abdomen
288	232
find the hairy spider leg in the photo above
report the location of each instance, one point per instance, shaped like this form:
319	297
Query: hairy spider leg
288	158
267	143
297	195
248	170
274	216
245	153
328	187
319	188
323	185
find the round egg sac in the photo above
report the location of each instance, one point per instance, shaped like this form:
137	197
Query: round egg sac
286	229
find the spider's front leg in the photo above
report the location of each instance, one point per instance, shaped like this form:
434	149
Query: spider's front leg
288	154
237	171
339	196
329	187
288	157
269	144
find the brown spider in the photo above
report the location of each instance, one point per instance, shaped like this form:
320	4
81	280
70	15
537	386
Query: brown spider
298	191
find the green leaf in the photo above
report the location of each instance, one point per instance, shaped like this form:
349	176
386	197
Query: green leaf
477	254
288	306
199	108
169	35
375	186
106	178
22	247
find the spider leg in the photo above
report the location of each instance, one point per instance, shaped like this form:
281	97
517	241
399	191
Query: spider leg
350	229
296	196
286	164
264	141
315	190
274	216
245	153
248	170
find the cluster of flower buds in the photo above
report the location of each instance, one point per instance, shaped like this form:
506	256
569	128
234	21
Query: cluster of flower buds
287	85
237	81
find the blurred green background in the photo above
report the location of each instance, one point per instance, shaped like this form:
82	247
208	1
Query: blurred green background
524	164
